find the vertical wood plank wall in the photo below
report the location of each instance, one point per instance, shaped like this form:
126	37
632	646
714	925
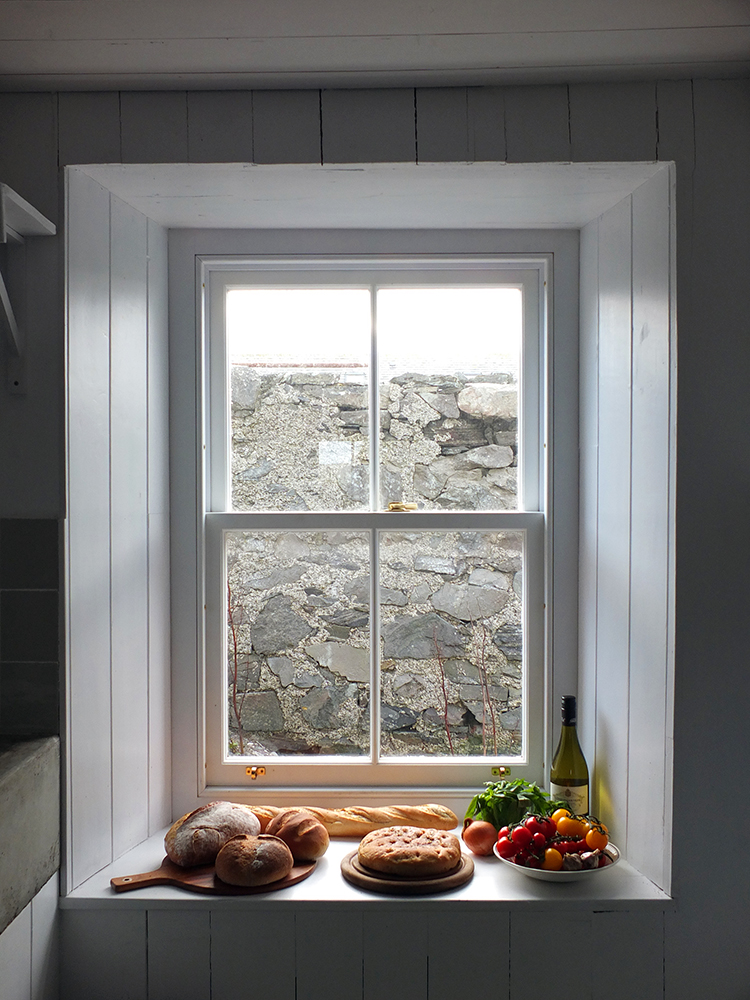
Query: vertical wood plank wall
29	949
117	535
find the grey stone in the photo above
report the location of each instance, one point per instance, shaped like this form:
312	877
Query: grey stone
509	640
459	671
420	637
426	483
354	481
257	471
321	707
436	564
436	717
420	594
350	397
246	383
489	578
504	479
518	584
277	627
407	685
352	662
312	378
261	712
283	668
291	546
306	679
29	821
416	410
280	577
455	435
354	418
472	693
511	720
395	597
248	678
443	402
394	717
348	618
491	456
486	400
509	438
468	603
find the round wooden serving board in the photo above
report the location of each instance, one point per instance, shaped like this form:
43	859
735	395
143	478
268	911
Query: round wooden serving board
400	885
204	879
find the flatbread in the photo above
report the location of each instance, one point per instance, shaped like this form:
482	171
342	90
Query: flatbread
410	851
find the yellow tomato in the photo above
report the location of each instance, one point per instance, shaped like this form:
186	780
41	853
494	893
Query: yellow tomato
597	839
571	827
553	860
558	815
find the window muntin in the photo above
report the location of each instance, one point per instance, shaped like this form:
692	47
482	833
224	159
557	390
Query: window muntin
402	730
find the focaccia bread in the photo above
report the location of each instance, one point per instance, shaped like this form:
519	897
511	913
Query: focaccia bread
198	836
355	821
410	851
247	860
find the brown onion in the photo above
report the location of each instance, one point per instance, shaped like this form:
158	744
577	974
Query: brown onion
479	836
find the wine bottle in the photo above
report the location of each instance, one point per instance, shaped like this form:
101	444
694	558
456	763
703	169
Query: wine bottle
569	776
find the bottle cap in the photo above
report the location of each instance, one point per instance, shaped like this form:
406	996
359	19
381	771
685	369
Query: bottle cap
569	713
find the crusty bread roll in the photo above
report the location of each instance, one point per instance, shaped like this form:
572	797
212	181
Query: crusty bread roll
246	860
304	835
355	821
197	837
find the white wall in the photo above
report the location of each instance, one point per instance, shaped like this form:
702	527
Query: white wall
29	949
117	531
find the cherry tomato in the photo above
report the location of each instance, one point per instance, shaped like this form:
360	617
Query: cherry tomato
571	827
534	862
550	829
596	839
506	848
535	824
581	846
558	814
565	846
552	860
504	831
521	836
539	841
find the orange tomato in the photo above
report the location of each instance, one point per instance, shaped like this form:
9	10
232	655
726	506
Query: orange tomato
558	815
597	839
553	860
571	827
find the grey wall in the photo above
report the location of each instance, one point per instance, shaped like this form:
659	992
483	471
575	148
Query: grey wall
705	126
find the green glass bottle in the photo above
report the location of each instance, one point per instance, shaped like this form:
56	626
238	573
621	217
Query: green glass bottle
569	776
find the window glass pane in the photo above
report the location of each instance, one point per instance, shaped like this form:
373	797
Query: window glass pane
451	643
298	640
449	363
299	361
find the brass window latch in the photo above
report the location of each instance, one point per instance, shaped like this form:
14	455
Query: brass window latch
255	772
396	507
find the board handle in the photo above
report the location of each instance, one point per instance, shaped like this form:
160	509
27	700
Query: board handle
126	882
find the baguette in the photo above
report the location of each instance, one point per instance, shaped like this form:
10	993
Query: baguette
356	821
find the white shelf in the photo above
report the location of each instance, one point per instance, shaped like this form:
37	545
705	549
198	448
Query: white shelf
20	217
494	886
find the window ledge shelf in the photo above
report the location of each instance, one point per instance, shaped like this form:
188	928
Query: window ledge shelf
493	887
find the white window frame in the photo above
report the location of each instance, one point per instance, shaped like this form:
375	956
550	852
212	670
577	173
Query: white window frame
326	775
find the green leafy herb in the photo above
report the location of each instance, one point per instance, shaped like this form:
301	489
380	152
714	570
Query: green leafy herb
503	803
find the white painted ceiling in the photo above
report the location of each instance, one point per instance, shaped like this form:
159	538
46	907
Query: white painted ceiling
375	196
225	44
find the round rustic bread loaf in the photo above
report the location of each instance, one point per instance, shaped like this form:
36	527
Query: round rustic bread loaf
246	860
197	837
304	835
410	851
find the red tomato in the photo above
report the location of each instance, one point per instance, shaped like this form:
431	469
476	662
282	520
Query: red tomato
565	847
480	837
506	848
581	846
504	831
550	828
521	836
539	841
535	824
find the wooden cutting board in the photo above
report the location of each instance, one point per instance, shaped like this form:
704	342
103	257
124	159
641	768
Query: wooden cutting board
203	878
399	885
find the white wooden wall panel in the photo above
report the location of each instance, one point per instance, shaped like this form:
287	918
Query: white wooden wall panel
536	124
650	527
129	538
154	127
252	955
613	526
179	954
588	496
159	618
89	128
87	536
395	954
613	122
329	955
45	942
220	126
626	952
286	126
103	957
15	958
442	125
368	126
28	149
469	954
550	951
486	112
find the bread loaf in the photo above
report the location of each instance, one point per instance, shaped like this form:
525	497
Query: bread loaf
355	821
304	835
410	851
197	837
247	860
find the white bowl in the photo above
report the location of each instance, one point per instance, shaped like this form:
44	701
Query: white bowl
548	876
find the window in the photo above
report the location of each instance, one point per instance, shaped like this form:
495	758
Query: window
350	642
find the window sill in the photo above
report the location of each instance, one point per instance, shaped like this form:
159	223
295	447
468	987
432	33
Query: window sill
493	887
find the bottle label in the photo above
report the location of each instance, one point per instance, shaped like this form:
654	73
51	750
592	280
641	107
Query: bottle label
576	798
